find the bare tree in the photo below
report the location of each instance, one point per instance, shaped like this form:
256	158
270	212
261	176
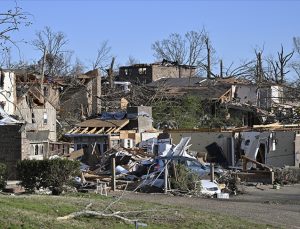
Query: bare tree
131	61
296	64
103	56
280	65
53	46
10	21
187	49
77	68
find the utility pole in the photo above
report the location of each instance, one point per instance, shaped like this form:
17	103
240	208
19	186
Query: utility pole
43	67
166	177
208	58
113	171
221	68
111	72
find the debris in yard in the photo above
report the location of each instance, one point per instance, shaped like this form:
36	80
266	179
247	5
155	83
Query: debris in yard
287	175
223	196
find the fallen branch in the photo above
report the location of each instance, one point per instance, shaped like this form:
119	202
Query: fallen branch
99	214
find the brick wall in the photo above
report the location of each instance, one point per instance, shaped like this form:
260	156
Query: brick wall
143	74
10	147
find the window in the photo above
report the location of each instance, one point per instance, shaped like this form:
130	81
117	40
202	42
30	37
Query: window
127	71
45	117
142	71
32	118
36	150
46	92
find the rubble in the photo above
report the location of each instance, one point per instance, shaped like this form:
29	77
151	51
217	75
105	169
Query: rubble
287	175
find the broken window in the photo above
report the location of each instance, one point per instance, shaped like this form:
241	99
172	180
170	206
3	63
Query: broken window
46	91
45	118
142	71
127	71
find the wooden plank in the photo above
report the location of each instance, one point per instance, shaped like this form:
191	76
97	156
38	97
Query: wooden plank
92	131
100	131
120	127
70	131
85	130
107	131
112	130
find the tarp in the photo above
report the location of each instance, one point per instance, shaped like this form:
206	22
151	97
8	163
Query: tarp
113	115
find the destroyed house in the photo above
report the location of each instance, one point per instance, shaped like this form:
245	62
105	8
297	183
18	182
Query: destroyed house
239	97
96	136
29	113
274	145
147	73
80	98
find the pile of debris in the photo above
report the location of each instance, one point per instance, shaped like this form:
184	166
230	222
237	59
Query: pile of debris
170	169
287	175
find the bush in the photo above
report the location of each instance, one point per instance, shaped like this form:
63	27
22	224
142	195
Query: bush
3	176
289	175
187	180
52	174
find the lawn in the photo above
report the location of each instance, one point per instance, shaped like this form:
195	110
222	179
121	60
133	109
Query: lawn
41	211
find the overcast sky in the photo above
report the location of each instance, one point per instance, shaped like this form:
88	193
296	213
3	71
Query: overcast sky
235	27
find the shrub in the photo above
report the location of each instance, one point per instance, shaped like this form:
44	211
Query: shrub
52	174
3	176
30	173
289	175
59	173
186	179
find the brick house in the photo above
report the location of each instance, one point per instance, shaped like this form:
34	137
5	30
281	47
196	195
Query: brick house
147	73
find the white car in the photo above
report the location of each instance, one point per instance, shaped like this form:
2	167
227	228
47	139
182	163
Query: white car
209	188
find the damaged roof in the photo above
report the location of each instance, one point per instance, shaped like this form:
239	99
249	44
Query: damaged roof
203	87
97	127
103	123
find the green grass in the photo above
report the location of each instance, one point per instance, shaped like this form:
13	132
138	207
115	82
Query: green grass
33	211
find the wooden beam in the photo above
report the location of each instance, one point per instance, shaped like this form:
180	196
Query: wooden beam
120	127
247	159
92	131
108	130
99	131
70	131
112	130
85	130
